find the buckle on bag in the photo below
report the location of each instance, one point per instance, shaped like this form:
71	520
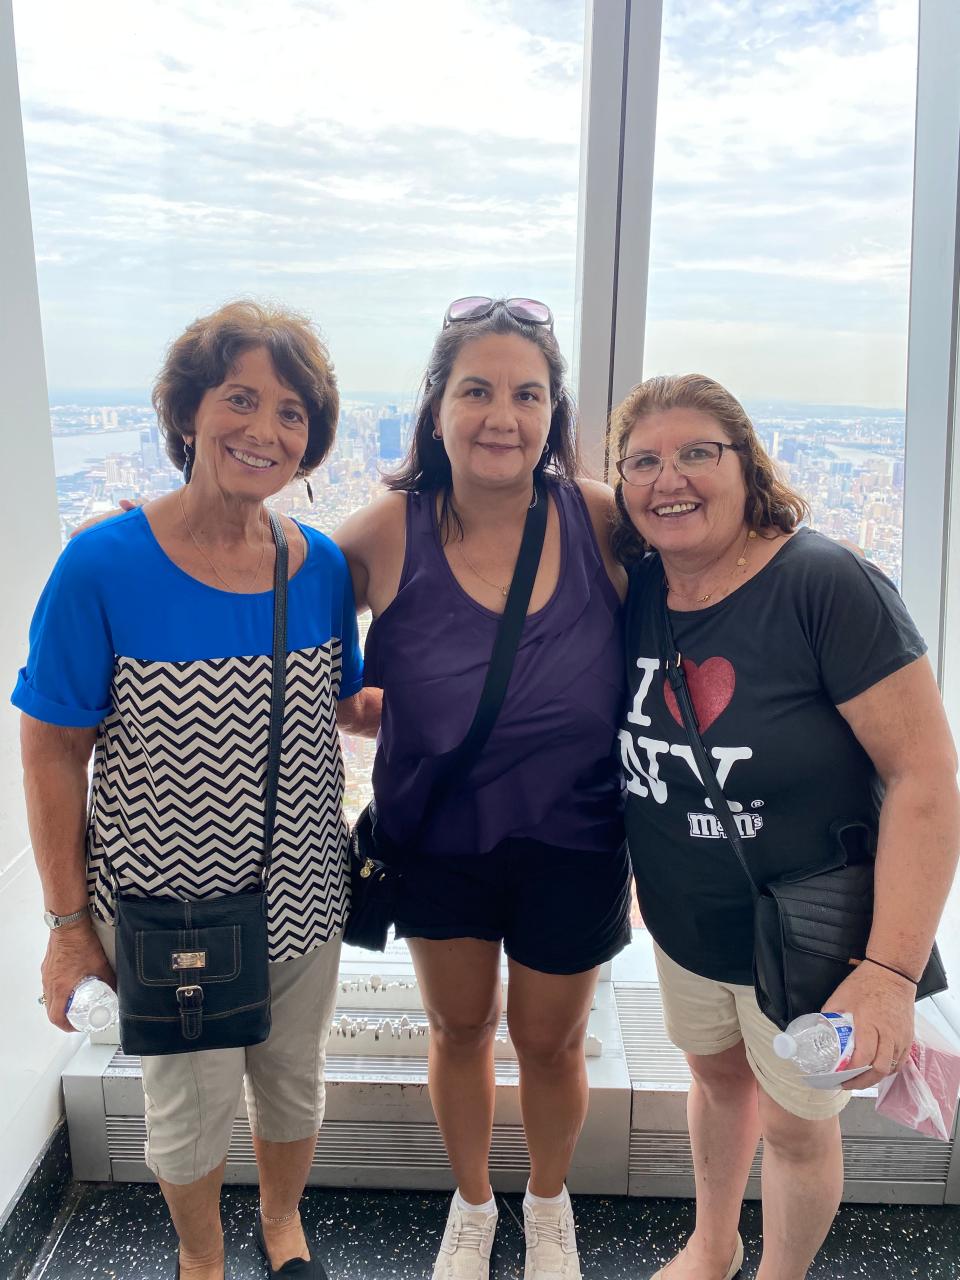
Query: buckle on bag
190	1000
367	869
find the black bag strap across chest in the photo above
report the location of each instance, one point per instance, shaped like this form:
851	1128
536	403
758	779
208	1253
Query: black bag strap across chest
708	776
278	686
455	764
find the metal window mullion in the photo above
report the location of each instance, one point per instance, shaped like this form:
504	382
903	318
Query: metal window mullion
932	342
622	58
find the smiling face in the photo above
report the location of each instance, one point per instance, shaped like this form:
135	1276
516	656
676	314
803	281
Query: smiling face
494	416
686	516
251	432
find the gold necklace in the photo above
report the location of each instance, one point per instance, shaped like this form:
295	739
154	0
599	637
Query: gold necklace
200	548
741	561
470	565
504	591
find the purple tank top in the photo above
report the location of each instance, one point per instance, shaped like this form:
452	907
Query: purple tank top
549	770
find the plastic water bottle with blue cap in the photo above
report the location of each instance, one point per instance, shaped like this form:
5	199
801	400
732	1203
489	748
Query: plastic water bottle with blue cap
93	1005
821	1045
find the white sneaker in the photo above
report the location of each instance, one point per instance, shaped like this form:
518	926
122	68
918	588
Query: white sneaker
466	1244
551	1241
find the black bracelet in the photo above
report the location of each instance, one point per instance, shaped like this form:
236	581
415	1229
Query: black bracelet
890	969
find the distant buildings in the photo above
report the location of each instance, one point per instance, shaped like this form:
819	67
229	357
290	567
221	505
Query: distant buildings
390	429
849	470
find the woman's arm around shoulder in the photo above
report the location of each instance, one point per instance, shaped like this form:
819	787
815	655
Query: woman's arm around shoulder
373	540
603	514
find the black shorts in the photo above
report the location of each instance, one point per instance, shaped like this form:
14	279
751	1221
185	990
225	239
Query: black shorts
555	910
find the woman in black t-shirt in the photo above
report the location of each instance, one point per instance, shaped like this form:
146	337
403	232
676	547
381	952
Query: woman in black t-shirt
815	700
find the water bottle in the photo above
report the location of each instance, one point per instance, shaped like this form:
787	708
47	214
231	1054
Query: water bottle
817	1042
92	1005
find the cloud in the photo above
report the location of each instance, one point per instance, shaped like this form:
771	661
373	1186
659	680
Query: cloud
370	160
784	181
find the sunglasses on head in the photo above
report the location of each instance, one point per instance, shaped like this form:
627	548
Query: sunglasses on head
526	310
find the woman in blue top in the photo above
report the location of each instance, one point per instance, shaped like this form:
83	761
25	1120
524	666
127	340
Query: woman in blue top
152	643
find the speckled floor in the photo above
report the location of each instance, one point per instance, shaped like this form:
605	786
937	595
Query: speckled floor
121	1232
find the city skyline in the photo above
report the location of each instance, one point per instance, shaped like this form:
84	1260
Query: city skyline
850	469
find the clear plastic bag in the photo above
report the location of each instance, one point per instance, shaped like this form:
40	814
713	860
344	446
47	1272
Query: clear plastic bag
923	1093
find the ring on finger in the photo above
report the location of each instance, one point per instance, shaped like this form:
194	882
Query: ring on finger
42	1000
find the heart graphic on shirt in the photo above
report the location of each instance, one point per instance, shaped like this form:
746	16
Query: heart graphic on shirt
711	687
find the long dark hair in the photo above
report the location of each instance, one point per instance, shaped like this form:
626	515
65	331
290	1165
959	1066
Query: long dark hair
426	468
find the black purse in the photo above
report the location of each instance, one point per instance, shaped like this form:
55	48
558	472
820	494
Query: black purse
376	864
810	927
193	974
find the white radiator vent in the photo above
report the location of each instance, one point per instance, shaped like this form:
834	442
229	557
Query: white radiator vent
346	1144
341	1067
865	1159
651	1058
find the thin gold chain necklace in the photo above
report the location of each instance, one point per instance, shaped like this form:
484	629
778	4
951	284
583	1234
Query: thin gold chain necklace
741	562
470	565
252	576
504	591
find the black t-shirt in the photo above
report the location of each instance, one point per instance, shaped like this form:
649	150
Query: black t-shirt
767	667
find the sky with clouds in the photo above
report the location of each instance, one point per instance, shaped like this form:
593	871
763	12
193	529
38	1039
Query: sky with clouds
367	161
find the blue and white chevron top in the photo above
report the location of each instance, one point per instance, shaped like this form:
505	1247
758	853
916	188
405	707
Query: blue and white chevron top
175	675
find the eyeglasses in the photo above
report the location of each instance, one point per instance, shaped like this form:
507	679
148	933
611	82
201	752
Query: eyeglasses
526	310
690	460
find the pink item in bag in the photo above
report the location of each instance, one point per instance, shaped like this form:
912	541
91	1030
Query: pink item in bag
923	1093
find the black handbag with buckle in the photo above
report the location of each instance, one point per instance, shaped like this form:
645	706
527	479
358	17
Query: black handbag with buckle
376	864
810	927
193	974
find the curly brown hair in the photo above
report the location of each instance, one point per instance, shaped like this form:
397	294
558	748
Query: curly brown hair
209	348
770	502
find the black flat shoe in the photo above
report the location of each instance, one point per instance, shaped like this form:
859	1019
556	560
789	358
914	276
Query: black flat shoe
304	1269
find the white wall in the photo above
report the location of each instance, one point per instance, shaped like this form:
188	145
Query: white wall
32	1053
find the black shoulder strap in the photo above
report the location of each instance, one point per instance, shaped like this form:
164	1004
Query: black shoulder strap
678	683
277	691
456	763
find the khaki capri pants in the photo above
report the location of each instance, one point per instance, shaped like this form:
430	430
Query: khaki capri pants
191	1098
704	1017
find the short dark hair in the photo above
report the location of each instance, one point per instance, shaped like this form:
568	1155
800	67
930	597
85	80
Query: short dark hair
209	348
426	466
770	502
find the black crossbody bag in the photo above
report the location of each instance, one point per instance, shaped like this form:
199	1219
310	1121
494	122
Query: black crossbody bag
193	974
375	863
810	927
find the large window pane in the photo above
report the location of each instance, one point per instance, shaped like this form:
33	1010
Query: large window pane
780	244
781	237
362	160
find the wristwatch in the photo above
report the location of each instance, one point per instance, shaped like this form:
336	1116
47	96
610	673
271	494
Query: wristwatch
53	921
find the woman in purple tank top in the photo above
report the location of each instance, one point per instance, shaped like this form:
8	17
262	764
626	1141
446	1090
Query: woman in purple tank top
526	852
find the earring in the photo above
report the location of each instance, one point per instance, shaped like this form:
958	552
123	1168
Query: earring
189	453
437	434
306	481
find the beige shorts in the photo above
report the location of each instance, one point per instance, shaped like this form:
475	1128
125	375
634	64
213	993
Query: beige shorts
192	1098
704	1017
